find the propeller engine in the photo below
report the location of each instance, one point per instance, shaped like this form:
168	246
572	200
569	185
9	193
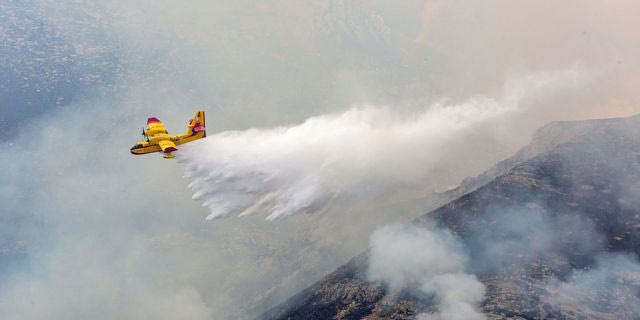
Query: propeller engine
144	135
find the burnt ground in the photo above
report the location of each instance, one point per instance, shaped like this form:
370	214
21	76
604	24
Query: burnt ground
578	195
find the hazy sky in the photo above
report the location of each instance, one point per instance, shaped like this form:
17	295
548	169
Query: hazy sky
88	230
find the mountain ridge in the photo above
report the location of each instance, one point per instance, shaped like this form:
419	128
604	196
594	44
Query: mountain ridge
577	198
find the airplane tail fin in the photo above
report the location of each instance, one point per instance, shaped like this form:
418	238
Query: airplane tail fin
196	125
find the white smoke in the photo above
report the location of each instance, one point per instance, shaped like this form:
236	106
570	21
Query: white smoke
611	285
431	260
300	169
251	65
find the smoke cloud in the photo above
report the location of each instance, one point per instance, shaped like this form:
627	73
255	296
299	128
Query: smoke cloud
84	221
363	151
404	256
614	277
511	237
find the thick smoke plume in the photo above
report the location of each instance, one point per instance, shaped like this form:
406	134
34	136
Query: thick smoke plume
300	169
431	260
84	222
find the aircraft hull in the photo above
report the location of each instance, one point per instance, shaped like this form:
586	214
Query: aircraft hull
151	146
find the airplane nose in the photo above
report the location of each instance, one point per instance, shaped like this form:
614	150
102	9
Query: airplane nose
135	148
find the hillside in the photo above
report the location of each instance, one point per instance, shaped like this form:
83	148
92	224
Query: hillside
552	233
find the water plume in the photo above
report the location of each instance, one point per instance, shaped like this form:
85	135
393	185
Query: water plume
351	155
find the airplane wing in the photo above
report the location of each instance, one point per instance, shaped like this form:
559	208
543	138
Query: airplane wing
167	146
154	127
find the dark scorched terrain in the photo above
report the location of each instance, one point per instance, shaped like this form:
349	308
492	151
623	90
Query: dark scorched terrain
569	198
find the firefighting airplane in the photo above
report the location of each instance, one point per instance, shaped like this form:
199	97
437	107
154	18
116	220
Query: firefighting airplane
158	139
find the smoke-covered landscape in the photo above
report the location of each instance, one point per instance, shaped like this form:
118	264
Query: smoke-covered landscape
420	159
552	235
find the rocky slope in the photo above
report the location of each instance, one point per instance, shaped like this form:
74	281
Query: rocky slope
552	233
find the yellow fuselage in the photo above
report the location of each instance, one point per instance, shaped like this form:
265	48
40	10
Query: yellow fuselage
158	136
143	147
